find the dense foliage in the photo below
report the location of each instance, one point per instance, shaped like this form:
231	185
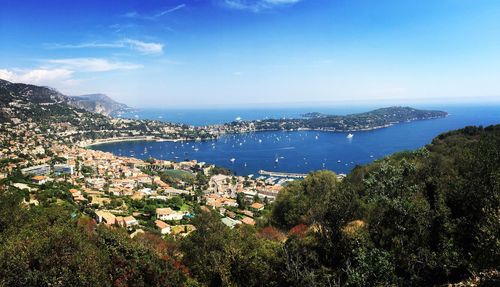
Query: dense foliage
352	122
421	218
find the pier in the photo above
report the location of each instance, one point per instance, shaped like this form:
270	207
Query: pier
282	174
340	176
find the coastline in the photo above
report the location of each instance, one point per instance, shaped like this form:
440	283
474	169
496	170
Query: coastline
87	144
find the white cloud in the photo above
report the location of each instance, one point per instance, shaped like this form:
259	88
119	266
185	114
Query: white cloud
91	64
257	5
137	45
38	76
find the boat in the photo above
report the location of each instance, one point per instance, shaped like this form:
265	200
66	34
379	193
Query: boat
350	136
232	160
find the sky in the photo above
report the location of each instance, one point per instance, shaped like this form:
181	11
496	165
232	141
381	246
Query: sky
221	53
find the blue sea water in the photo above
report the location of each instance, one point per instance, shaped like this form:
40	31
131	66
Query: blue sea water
297	151
200	117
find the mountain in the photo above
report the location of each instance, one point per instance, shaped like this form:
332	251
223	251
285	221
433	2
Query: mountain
99	103
48	111
42	105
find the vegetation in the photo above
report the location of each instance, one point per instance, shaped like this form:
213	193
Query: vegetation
421	218
353	122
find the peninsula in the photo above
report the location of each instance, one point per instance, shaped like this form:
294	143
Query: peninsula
379	118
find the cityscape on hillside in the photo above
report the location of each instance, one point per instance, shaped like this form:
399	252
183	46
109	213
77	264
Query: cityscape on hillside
249	143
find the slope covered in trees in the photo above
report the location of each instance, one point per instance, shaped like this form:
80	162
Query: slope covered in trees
419	218
375	119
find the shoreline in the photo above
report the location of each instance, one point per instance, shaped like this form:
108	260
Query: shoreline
126	139
158	139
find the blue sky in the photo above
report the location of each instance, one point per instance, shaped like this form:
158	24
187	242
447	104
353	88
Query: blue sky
217	53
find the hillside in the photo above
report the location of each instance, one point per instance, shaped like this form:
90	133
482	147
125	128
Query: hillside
99	103
378	118
428	217
45	109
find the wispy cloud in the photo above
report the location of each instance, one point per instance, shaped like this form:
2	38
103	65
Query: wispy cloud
144	47
90	64
257	5
137	45
136	15
165	12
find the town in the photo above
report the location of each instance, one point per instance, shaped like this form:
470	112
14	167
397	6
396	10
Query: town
153	195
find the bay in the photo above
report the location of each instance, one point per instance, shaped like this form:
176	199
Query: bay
297	151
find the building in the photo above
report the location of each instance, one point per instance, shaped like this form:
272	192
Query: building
39	179
43	169
169	214
257	206
248	220
127	221
77	195
163	227
231	223
105	217
64	169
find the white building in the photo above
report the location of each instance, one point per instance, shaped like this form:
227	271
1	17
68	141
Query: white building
169	214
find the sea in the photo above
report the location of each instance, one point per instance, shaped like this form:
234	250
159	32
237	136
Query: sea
295	151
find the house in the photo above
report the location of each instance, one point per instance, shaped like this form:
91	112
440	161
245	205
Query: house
64	169
231	223
39	179
219	183
248	220
96	183
169	214
182	230
77	195
105	217
43	169
257	206
127	221
247	213
22	186
163	227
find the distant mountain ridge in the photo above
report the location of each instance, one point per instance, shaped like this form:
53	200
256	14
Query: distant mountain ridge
99	103
15	96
